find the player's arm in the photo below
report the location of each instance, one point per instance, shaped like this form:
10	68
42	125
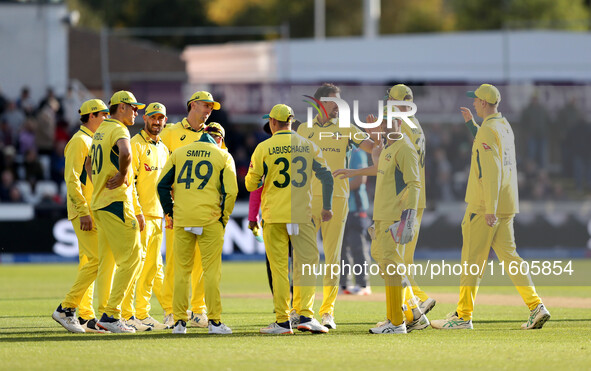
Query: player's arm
469	120
124	164
256	170
408	161
75	175
323	173
254	204
164	187
135	167
229	189
490	161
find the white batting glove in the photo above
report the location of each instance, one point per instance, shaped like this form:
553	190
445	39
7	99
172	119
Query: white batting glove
403	231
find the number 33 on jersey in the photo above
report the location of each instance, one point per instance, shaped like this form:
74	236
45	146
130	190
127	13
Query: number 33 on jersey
284	164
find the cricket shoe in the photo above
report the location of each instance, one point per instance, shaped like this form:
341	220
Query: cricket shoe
328	321
137	325
388	328
89	325
283	328
114	325
155	325
452	322
537	318
67	318
427	305
312	325
419	324
169	320
294	318
363	291
218	328
180	327
197	319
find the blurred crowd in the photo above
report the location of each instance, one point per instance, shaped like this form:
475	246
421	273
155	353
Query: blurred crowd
554	159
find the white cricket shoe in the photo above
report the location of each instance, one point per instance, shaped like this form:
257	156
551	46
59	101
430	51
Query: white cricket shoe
537	318
220	329
419	324
427	305
452	322
137	325
67	318
169	320
278	329
328	321
180	327
197	319
114	325
388	328
312	325
364	291
90	326
294	318
155	325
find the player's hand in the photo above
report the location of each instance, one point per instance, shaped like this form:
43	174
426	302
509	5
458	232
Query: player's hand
326	215
141	221
343	173
491	219
466	113
86	223
116	181
403	231
255	227
169	223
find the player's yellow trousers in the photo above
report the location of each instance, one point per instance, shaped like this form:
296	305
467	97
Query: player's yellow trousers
80	295
408	256
210	244
478	238
332	243
149	274
305	252
119	245
197	284
386	253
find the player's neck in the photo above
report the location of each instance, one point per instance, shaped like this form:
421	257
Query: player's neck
194	122
154	137
322	119
90	126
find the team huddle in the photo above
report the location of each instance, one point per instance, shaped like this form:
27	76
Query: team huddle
300	180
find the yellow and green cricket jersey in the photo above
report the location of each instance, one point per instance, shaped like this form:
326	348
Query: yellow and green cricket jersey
77	183
398	181
203	179
104	155
492	183
335	150
284	165
417	138
180	134
149	157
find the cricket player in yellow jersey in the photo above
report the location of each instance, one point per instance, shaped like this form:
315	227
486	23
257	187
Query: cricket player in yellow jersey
199	108
92	113
396	201
202	177
109	167
283	165
416	136
493	201
149	156
335	143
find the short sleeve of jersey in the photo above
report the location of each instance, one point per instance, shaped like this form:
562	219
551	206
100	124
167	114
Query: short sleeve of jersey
356	135
119	133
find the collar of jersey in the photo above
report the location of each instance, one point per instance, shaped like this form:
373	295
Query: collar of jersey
148	139
114	121
279	132
327	124
496	115
188	126
86	131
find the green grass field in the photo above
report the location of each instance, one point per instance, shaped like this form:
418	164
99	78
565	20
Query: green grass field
30	339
